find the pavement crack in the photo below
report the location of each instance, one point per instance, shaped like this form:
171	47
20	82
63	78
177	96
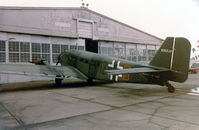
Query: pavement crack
88	100
20	122
150	120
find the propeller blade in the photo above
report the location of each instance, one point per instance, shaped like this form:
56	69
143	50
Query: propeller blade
58	59
37	61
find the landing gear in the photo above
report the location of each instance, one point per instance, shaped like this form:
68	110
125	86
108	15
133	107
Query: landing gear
89	80
58	80
171	89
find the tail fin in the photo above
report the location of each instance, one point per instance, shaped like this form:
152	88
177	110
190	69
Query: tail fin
174	54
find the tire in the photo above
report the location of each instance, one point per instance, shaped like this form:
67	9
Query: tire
58	82
171	89
90	80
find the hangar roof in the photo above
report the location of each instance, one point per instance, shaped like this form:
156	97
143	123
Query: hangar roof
13	22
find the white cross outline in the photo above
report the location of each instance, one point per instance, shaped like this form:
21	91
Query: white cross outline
112	65
118	67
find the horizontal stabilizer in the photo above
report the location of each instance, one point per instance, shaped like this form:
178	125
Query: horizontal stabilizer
134	70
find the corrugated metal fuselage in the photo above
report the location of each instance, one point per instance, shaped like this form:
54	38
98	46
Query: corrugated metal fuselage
94	65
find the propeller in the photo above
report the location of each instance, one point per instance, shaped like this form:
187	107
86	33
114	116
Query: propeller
37	61
58	59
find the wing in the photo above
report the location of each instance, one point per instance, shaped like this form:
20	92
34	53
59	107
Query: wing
73	72
135	70
45	70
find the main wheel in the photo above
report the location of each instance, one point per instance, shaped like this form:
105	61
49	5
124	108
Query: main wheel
58	82
89	80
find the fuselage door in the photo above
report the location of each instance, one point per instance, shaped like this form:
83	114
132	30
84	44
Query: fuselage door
92	69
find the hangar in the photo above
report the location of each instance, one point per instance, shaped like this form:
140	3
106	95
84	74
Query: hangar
27	33
30	32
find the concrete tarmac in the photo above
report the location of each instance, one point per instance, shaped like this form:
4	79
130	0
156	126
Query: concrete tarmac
77	105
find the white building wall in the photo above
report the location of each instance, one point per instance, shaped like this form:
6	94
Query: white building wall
9	37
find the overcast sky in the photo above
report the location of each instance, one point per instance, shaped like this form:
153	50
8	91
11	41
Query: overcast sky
162	18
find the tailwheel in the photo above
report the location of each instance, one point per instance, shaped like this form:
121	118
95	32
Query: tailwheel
171	89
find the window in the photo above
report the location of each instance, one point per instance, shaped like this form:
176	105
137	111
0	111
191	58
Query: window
41	50
142	52
119	50
13	51
45	52
73	47
57	49
81	48
36	51
36	48
131	52
2	51
45	48
64	47
55	52
106	48
25	51
19	51
151	51
157	48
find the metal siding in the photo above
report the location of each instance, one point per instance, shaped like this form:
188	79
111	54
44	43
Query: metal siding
63	22
85	29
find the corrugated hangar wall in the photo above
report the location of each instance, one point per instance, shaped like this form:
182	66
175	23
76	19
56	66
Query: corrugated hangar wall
71	22
27	33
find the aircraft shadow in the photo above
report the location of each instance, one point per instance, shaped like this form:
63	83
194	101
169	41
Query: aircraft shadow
40	85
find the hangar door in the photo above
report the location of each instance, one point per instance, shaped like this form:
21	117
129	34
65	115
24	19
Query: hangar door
85	29
91	45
